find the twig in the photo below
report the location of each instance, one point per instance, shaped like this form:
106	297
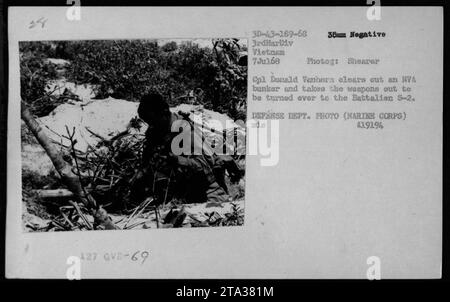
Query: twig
168	184
139	209
157	217
95	134
77	208
66	218
75	157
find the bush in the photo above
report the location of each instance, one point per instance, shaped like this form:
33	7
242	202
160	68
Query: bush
35	73
129	69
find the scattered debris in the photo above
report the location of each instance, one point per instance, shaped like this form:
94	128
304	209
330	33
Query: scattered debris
34	223
106	138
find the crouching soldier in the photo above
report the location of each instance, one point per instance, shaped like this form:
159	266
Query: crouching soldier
195	177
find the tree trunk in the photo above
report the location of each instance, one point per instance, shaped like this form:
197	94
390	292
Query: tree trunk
65	171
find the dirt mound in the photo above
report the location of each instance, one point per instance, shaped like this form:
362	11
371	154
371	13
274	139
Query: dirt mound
93	122
213	124
101	120
35	159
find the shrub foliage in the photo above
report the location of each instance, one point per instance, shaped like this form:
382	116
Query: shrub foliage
214	76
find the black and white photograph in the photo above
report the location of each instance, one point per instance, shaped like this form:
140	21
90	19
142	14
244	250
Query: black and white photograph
133	134
224	143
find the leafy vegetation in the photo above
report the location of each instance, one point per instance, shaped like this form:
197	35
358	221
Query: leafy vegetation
214	76
35	73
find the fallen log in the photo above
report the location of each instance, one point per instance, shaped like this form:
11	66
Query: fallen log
52	194
64	169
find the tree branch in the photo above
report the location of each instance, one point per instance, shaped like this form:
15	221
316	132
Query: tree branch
65	171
